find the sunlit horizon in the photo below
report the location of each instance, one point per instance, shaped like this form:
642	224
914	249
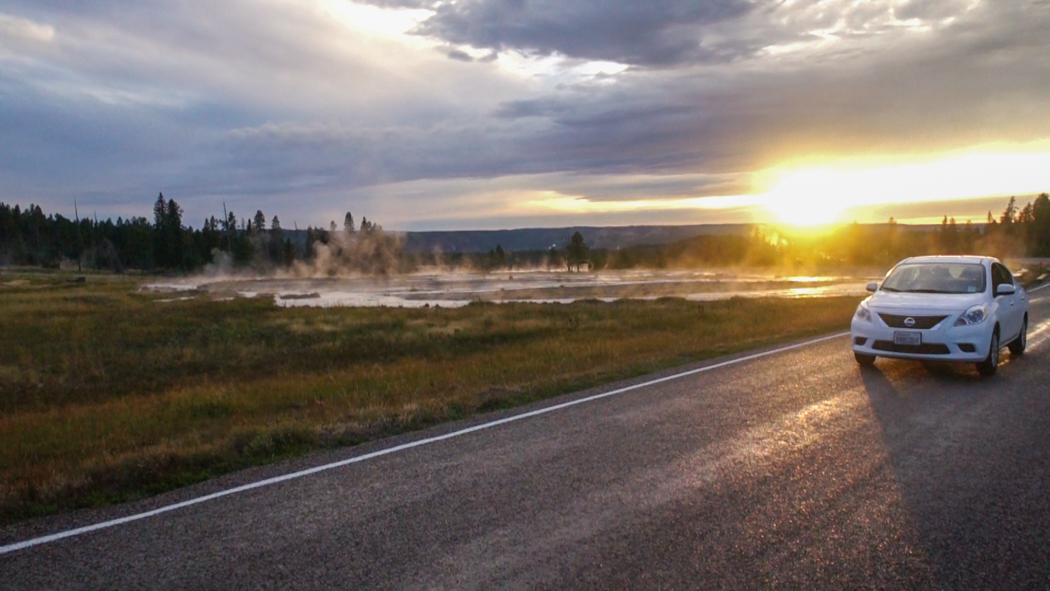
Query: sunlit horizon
837	194
844	192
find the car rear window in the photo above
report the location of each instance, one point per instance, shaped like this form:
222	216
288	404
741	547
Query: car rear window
936	278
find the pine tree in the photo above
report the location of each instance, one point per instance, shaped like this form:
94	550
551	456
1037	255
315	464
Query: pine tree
174	235
1040	228
577	251
159	211
161	246
311	238
276	244
1010	213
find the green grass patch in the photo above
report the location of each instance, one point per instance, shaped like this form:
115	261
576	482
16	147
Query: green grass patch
108	395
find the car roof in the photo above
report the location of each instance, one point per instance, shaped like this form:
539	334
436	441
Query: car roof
952	259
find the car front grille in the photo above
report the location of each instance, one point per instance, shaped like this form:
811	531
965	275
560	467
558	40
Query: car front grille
927	349
896	321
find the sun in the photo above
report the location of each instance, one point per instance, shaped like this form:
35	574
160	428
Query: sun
840	192
808	198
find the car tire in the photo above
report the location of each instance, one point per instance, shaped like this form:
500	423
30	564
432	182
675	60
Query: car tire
864	360
988	367
1017	346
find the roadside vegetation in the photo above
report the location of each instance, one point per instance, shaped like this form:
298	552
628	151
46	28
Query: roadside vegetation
256	245
1019	231
109	393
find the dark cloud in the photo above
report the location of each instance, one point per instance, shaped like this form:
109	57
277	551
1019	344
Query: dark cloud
462	56
598	188
926	9
352	157
545	107
663	33
62	146
656	33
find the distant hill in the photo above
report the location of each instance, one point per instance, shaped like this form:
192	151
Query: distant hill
472	241
525	239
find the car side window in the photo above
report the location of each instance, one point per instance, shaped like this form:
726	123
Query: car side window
1008	277
1000	275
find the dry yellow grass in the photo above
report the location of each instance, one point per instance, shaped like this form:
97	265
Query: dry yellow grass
108	395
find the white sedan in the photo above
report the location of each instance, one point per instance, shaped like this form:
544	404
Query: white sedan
943	308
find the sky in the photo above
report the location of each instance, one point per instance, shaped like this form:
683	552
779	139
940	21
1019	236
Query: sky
486	114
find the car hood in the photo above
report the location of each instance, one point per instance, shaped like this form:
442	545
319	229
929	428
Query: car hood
888	300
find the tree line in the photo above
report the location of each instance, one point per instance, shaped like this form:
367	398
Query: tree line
29	237
1017	232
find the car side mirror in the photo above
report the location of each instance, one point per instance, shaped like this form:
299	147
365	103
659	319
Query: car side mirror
1005	289
873	286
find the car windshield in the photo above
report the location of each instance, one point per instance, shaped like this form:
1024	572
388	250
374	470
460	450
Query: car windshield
936	278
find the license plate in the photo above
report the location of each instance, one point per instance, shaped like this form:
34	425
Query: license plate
907	337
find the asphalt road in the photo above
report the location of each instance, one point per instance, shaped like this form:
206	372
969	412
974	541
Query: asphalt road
795	470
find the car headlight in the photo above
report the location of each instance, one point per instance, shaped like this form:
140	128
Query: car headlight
863	313
975	315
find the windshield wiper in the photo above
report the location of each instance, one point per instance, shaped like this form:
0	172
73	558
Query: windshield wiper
929	291
884	288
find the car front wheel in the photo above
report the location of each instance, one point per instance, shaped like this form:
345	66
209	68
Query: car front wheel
991	363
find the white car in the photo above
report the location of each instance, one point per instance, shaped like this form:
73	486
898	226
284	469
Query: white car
943	308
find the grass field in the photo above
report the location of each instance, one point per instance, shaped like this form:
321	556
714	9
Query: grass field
108	394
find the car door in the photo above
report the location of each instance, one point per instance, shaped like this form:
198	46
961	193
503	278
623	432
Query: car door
1010	314
1020	301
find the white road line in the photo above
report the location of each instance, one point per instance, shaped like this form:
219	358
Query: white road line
1043	286
294	475
1036	337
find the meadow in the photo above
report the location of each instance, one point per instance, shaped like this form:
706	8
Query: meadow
109	393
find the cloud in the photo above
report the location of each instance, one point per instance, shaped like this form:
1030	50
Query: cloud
667	33
462	56
288	106
551	200
298	58
661	32
979	81
927	10
15	30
